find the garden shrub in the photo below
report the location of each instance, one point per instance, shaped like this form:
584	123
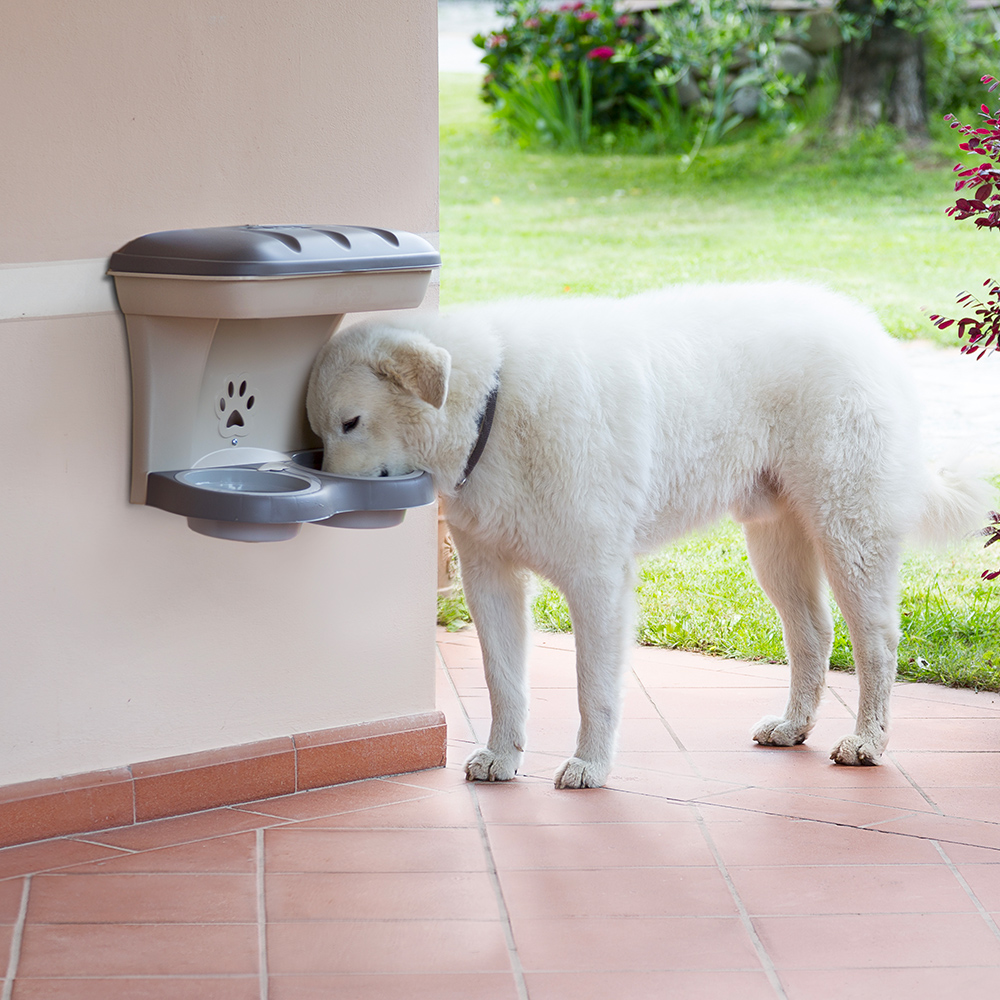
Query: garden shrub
687	75
981	329
575	74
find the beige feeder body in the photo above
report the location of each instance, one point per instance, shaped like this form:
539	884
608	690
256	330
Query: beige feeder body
223	326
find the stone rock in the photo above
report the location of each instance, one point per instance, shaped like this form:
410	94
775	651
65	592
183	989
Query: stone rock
795	61
746	101
822	34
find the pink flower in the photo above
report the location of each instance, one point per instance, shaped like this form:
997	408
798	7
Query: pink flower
587	15
532	22
573	6
601	52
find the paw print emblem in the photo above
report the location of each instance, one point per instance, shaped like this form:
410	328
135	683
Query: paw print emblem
234	407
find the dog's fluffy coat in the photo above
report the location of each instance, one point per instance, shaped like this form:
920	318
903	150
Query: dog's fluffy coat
623	424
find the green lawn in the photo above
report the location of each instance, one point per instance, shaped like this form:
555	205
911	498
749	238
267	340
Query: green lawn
865	220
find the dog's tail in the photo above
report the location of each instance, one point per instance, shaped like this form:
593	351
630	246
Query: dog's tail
956	503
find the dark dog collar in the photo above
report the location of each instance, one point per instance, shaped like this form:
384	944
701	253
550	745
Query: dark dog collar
485	423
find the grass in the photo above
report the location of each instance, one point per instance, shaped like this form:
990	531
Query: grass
867	219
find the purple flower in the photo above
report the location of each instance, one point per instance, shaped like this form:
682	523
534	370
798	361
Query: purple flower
601	52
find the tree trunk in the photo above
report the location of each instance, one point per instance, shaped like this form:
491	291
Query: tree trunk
882	78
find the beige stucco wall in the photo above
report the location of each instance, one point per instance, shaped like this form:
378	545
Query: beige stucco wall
123	635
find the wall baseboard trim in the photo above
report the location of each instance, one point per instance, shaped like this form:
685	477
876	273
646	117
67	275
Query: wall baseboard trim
56	288
86	803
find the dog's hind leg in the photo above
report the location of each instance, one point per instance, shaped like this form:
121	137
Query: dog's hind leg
788	569
865	586
496	592
602	609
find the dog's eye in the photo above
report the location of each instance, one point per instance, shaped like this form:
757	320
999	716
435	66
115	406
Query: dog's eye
348	425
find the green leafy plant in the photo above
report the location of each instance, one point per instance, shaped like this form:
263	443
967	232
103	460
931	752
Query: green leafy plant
690	74
981	329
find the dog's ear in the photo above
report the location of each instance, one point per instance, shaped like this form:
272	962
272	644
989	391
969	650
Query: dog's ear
420	368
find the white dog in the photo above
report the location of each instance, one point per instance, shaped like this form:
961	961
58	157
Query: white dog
622	424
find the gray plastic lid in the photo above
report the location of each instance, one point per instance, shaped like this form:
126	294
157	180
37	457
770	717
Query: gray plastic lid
273	251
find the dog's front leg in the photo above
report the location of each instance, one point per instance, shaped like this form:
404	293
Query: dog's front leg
602	611
496	592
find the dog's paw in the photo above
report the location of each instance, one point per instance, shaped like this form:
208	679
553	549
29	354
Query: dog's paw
773	731
577	773
489	765
857	751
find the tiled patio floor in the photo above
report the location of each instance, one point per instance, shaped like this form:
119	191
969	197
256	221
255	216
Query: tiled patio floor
708	868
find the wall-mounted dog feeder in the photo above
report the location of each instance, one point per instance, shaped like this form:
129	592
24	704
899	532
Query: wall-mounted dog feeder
223	326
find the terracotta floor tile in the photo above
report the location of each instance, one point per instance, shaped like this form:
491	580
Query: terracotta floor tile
633	944
867	941
776	841
468	680
962	854
605	845
682	985
49	854
192	898
425	986
847	889
458	751
431	810
945	829
380	896
11	891
804	805
711	733
444	779
561	703
657	775
182	829
918	983
984	880
692	671
903	798
537	801
556	735
235	853
736	706
76	950
163	988
616	892
646	734
939	769
955	697
302	849
481	732
414	946
967	803
671	762
793	767
931	735
320	802
923	701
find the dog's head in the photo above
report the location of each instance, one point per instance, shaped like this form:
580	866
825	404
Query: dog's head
374	395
